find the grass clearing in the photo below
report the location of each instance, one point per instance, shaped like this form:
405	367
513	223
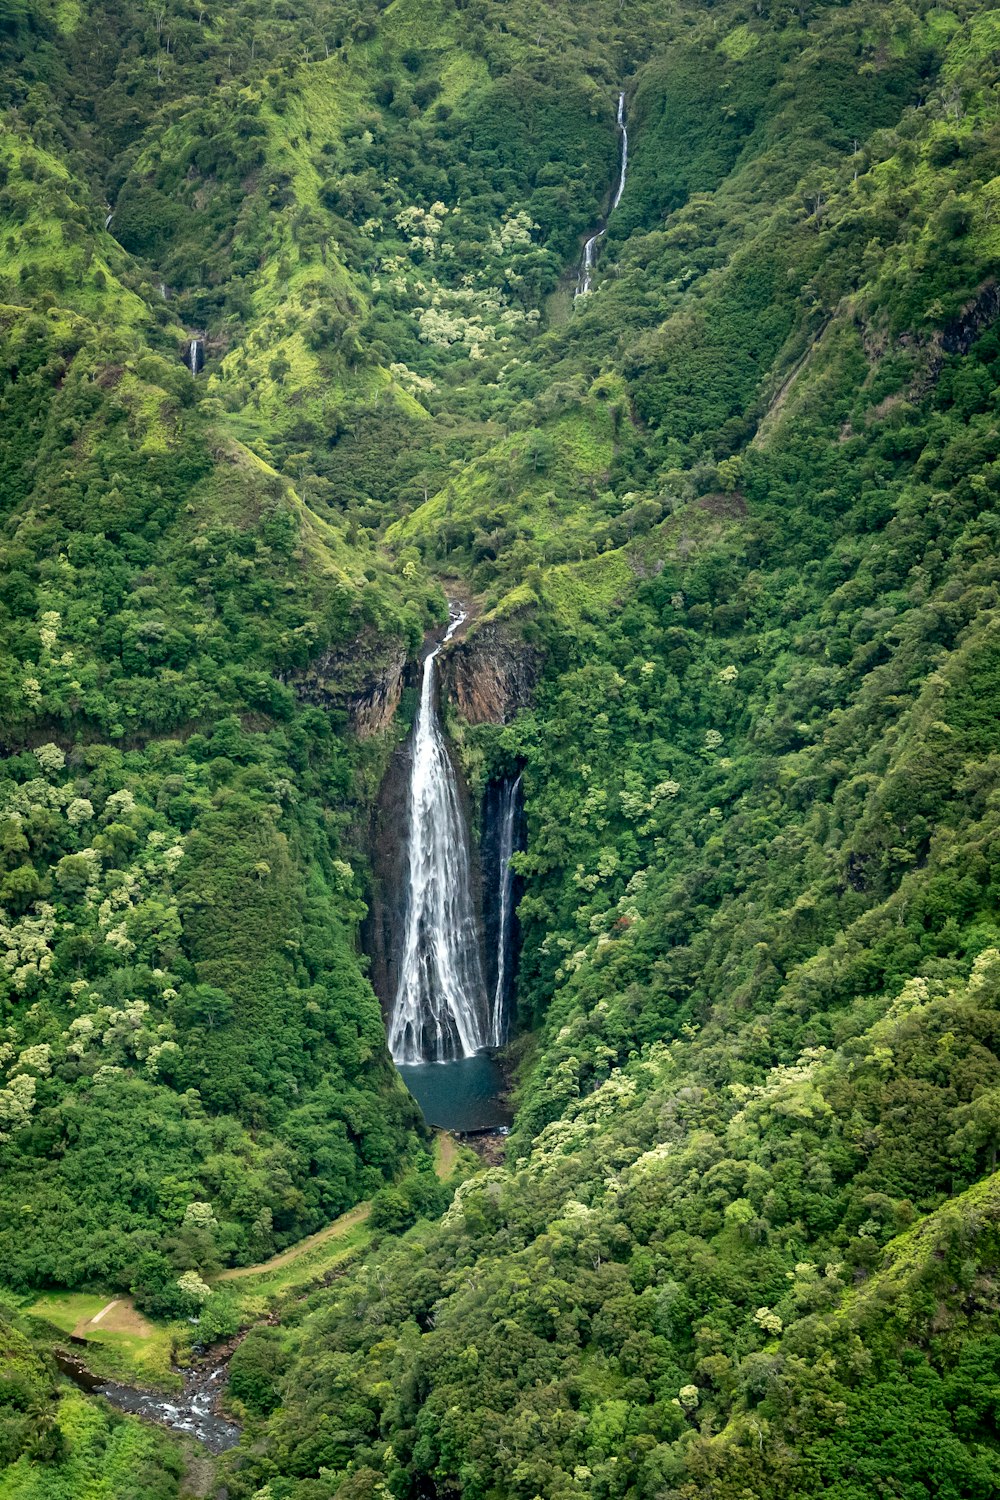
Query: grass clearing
257	1287
253	1291
340	1229
67	1309
120	1315
445	1154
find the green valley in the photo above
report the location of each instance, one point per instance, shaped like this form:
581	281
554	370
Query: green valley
299	366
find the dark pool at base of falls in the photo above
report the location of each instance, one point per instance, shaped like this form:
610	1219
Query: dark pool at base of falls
463	1095
191	1410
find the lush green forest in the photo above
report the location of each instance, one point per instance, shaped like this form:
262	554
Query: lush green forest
741	504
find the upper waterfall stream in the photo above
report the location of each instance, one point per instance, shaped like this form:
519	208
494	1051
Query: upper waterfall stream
586	277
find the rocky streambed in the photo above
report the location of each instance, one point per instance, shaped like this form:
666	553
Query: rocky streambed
193	1410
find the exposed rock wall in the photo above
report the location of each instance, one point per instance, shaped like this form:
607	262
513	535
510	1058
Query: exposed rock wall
490	674
383	928
365	680
960	335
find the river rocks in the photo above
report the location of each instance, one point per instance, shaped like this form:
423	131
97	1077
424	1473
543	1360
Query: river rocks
491	674
194	1410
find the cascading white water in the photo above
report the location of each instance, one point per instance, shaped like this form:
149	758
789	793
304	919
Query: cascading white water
508	834
440	1010
623	173
587	268
586	276
193	356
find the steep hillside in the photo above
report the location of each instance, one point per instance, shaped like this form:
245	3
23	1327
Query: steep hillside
179	913
738	509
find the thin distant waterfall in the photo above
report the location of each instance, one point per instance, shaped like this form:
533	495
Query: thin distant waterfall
194	352
440	1010
587	268
509	811
586	276
623	172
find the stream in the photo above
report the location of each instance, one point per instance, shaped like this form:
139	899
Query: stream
191	1410
586	276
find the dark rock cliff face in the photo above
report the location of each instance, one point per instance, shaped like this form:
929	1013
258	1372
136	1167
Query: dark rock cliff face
365	680
956	337
383	928
960	335
490	674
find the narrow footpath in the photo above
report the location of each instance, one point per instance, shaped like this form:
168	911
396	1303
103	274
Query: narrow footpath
445	1154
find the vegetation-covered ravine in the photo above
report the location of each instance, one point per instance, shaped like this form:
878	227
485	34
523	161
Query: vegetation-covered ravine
729	526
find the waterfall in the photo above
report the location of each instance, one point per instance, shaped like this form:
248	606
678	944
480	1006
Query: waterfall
587	269
586	276
193	356
623	132
509	810
440	1009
